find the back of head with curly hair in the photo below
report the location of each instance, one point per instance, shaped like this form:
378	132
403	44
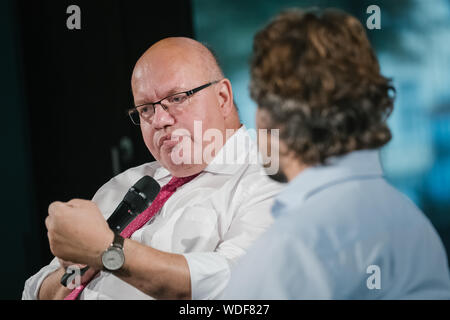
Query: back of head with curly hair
319	79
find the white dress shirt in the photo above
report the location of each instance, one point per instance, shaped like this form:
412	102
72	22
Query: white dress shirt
342	232
211	220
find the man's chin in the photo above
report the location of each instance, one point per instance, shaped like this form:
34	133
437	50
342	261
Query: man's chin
181	169
274	172
185	170
278	177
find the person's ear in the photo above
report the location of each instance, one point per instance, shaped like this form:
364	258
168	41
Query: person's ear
225	94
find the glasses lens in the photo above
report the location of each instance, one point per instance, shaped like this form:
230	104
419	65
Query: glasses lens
146	112
134	116
175	100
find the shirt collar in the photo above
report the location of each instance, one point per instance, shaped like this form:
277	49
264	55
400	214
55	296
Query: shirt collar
357	164
229	159
160	172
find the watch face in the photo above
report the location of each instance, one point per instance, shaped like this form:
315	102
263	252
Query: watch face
113	259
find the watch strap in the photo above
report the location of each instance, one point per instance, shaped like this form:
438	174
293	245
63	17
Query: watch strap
118	241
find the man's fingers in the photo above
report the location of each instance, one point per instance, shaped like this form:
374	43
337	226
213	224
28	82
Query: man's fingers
55	207
58	206
78	203
47	222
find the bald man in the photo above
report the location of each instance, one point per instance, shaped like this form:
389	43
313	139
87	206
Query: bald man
184	107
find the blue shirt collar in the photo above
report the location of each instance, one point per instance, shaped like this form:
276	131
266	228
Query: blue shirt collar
357	164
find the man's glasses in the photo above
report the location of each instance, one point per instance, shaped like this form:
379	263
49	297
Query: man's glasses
173	103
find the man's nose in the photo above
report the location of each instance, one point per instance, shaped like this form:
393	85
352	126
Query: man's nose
162	118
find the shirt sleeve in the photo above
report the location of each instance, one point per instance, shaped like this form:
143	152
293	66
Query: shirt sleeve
33	284
210	271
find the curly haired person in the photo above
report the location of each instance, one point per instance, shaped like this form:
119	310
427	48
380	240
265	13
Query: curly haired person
341	231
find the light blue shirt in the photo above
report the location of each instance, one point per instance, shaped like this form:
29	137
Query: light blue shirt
342	232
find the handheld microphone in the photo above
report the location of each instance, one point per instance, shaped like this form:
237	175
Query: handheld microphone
136	200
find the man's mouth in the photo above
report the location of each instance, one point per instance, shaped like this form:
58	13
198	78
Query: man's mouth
168	141
162	139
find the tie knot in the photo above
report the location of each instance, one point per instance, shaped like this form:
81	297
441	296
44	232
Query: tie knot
176	182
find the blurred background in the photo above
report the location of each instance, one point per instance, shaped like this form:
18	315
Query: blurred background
64	129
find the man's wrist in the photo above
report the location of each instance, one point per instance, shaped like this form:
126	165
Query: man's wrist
113	257
106	242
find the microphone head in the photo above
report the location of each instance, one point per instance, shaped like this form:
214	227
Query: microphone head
141	194
148	187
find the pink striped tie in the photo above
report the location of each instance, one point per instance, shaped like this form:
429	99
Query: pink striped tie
142	219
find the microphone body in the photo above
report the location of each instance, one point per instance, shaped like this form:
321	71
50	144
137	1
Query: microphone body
136	200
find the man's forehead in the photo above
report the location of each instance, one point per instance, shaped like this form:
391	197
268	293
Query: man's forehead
166	69
147	88
143	94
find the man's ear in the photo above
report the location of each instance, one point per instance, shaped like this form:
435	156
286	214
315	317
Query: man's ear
225	93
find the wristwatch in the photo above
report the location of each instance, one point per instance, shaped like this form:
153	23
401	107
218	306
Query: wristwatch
113	257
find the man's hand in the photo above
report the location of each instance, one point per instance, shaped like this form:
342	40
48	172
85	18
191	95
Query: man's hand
77	231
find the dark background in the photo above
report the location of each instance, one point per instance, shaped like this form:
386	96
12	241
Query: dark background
65	131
